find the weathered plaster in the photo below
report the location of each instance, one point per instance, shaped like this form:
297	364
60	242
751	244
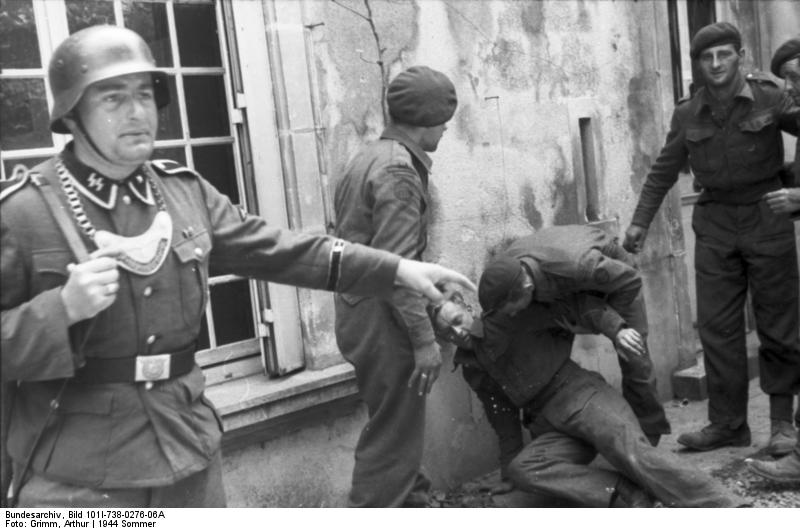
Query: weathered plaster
503	169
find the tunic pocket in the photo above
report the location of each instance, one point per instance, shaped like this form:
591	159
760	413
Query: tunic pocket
699	142
80	447
192	254
760	139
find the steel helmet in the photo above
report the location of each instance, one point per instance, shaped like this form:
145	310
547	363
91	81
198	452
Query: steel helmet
94	54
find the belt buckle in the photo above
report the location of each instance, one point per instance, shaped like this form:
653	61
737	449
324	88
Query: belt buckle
152	367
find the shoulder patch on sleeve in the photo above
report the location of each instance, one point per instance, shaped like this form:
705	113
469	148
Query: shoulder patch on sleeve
17	181
170	167
403	191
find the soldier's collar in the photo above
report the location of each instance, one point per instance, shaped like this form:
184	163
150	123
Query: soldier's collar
102	190
393	133
745	92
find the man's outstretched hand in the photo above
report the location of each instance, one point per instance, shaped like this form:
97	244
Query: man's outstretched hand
427	278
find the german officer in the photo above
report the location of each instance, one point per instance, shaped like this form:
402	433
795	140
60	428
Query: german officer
382	201
730	134
111	339
786	65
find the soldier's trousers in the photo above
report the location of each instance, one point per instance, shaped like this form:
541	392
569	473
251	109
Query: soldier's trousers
388	456
739	247
586	416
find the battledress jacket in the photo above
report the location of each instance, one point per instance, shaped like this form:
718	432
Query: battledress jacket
524	352
736	160
578	258
117	435
520	362
382	201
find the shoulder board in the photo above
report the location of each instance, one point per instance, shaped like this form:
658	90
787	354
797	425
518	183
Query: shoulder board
17	181
170	167
761	77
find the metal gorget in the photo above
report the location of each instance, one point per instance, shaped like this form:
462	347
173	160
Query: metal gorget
143	254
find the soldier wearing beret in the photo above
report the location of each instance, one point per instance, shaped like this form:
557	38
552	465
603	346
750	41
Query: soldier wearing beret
381	200
560	261
786	65
105	260
729	132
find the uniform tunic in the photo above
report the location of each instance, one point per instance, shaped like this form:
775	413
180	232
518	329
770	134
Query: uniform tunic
736	153
117	435
382	201
564	260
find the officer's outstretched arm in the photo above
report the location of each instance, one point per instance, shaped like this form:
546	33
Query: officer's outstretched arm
429	279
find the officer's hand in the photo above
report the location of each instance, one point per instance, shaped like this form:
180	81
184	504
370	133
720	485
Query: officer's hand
428	361
634	239
784	200
91	287
424	277
629	341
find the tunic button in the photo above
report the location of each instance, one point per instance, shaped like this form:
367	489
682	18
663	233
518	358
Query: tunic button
147	291
198	252
126	199
151	339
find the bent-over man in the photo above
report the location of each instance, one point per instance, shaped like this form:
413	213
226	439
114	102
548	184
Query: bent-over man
523	362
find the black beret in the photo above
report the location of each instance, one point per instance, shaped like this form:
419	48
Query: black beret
422	97
785	52
715	35
497	281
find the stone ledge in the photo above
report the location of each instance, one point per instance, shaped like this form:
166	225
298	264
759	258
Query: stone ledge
256	408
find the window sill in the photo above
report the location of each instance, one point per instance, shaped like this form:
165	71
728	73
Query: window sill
255	409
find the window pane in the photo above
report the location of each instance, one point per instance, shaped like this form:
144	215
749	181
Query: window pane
84	13
206	106
169	117
198	42
30	163
24	119
178	154
215	163
233	315
150	21
19	47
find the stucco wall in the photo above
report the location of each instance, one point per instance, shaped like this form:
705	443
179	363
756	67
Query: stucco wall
525	73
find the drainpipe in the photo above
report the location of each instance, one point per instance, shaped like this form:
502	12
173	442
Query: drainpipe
282	117
320	133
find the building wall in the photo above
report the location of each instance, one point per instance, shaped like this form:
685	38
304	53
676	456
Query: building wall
509	164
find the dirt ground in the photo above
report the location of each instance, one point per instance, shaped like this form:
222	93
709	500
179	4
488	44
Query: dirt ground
726	464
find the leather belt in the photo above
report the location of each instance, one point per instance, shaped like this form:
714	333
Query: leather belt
139	369
739	197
